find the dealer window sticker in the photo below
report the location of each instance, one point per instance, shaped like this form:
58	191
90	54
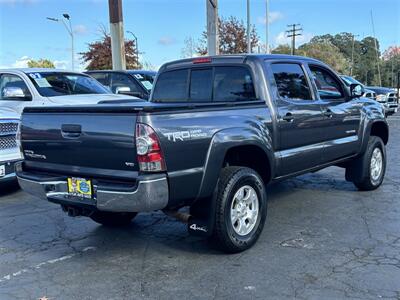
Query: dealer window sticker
147	84
42	82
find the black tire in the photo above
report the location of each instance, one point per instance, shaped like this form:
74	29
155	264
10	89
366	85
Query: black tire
360	170
231	180
112	219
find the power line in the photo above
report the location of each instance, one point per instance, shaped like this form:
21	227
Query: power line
292	33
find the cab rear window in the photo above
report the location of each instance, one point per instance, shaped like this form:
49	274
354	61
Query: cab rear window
205	84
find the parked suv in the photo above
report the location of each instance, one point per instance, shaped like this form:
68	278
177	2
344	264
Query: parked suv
136	83
216	131
387	97
9	151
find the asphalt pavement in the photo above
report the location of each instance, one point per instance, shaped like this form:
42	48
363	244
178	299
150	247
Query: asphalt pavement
323	239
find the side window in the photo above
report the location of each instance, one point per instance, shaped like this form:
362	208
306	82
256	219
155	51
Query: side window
291	81
103	78
328	86
10	82
201	85
233	84
171	86
123	81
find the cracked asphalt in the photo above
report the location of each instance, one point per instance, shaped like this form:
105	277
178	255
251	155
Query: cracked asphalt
322	240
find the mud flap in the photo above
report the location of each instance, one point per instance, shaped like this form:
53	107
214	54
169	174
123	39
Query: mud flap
202	218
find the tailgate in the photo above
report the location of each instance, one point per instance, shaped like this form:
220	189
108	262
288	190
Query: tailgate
83	144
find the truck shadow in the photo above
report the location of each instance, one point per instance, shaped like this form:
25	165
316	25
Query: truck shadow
163	231
7	188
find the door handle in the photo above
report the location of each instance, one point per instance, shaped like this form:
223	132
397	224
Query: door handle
71	130
328	113
288	117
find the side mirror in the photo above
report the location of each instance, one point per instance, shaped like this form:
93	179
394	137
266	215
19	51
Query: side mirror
122	90
13	92
126	91
356	90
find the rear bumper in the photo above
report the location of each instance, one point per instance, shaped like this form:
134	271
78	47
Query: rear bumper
149	194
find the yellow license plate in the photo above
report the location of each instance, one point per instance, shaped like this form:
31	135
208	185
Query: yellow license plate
80	187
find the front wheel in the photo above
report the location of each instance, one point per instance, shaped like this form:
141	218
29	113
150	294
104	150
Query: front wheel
370	168
112	219
241	209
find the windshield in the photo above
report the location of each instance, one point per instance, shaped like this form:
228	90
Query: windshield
146	79
349	80
52	84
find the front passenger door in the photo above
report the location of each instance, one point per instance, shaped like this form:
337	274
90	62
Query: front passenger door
342	115
299	117
13	81
125	83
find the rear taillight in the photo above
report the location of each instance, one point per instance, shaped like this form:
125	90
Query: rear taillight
148	149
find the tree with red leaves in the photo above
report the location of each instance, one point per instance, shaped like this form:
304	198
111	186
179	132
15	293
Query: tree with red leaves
98	57
232	37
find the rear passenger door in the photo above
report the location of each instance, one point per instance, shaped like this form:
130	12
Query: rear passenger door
299	117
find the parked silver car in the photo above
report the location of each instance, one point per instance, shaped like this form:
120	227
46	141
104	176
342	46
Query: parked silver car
37	87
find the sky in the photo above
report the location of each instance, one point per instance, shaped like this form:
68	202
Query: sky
162	25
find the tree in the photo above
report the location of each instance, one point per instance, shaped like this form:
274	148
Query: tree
391	52
367	66
390	66
41	63
327	53
98	57
282	49
189	50
232	37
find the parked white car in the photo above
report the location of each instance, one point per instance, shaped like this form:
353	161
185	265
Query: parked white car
47	87
9	151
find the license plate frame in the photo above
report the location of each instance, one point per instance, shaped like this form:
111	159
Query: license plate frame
80	187
2	171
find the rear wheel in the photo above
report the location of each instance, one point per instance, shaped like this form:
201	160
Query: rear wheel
112	219
241	209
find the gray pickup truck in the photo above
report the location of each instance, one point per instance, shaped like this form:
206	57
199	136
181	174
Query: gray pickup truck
216	131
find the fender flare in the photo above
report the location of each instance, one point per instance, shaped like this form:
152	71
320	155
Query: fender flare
220	144
367	132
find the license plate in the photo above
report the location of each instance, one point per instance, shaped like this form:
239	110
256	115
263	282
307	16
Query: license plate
2	170
80	187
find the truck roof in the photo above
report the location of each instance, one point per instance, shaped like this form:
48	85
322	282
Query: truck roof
231	58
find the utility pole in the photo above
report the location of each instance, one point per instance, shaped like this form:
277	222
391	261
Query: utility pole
352	54
267	26
212	27
70	32
248	27
292	33
117	35
376	49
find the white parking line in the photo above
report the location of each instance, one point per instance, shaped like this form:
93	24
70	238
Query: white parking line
42	264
